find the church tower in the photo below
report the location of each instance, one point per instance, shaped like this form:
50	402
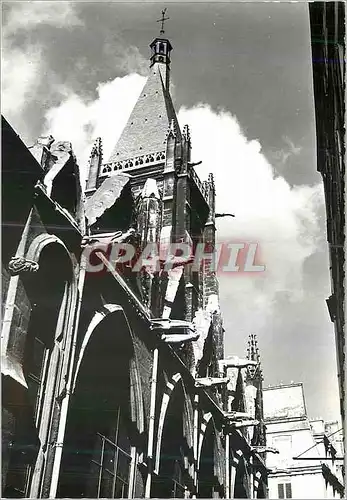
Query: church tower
150	174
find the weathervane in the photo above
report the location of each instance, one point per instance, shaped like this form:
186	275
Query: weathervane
162	21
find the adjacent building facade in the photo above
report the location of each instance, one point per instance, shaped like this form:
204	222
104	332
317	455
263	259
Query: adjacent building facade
327	20
307	456
114	382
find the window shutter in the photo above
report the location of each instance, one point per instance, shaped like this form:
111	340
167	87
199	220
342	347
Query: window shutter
280	490
288	490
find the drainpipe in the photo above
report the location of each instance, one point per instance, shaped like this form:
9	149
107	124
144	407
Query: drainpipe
196	444
65	401
151	423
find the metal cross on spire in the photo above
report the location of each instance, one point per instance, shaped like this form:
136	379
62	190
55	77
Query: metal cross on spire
162	20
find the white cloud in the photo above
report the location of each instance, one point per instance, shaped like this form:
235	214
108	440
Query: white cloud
281	218
283	155
82	122
27	80
20	73
29	76
24	70
27	15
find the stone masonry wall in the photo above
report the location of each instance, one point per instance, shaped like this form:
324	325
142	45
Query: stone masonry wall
19	324
5	278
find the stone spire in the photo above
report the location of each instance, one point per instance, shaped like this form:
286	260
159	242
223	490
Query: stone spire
210	189
186	135
144	138
95	161
252	350
211	181
253	354
171	130
161	49
187	144
145	133
254	382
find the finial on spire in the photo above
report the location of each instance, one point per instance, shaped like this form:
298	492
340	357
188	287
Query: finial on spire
253	354
95	161
252	350
161	49
171	129
96	149
211	181
186	134
162	20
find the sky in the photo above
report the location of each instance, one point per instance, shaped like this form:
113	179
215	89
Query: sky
241	78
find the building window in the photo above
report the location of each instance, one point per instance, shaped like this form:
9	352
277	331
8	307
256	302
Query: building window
111	464
37	371
284	490
178	488
36	362
20	472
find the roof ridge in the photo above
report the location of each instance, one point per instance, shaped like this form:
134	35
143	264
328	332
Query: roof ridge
170	107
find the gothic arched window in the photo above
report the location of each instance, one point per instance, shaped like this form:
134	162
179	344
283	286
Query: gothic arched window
110	465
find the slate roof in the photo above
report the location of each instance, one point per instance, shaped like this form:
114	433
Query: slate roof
147	127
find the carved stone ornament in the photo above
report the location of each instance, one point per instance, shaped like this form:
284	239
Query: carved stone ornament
19	265
136	161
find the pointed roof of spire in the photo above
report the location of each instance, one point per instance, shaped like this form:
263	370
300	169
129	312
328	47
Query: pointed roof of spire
146	129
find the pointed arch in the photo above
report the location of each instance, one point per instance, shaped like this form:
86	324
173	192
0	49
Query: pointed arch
187	421
46	299
97	318
170	386
40	242
258	486
210	459
174	457
105	423
174	383
205	421
137	408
